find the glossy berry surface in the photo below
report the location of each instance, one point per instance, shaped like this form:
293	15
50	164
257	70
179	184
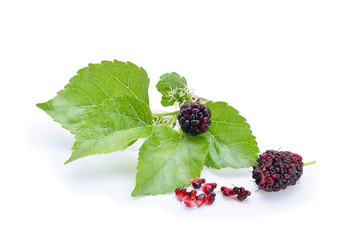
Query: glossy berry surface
196	183
239	193
199	200
194	118
188	201
192	194
276	170
210	198
180	193
237	190
208	188
227	192
243	195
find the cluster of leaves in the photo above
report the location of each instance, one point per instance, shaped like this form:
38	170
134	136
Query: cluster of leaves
106	106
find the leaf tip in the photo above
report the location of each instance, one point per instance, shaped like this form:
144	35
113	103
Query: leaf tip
67	162
41	105
71	159
134	193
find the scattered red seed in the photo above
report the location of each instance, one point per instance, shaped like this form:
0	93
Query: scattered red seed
180	193
199	200
190	198
188	201
243	195
226	191
209	199
237	190
208	187
196	183
192	194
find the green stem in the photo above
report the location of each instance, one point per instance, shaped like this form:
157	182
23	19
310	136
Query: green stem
165	114
174	121
309	163
168	122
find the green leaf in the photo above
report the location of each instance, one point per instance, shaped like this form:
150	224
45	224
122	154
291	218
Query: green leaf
112	126
231	141
91	86
173	88
168	160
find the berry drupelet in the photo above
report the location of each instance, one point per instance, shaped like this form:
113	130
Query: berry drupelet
243	195
239	192
276	170
210	198
208	188
199	200
227	192
196	183
180	193
194	118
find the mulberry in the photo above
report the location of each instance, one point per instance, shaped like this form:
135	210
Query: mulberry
276	170
194	118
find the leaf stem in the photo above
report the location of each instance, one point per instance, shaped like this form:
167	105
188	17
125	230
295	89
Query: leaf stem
200	99
165	114
309	163
169	122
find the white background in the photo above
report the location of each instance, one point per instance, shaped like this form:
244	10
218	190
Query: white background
285	65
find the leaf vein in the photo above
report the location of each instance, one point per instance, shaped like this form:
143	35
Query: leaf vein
103	90
166	163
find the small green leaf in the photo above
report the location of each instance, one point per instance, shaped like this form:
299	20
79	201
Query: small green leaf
168	160
231	141
173	88
112	126
91	86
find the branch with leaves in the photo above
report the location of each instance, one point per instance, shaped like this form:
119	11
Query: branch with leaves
106	106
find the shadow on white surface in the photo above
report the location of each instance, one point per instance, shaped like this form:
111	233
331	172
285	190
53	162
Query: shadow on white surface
110	175
113	175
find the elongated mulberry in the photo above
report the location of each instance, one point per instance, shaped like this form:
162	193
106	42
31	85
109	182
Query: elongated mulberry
276	170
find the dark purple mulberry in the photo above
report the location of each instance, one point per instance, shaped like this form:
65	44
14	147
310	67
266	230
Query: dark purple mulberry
277	170
194	118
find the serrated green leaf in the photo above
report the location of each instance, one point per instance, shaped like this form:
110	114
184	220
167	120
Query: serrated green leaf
173	88
91	86
168	160
231	141
112	126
